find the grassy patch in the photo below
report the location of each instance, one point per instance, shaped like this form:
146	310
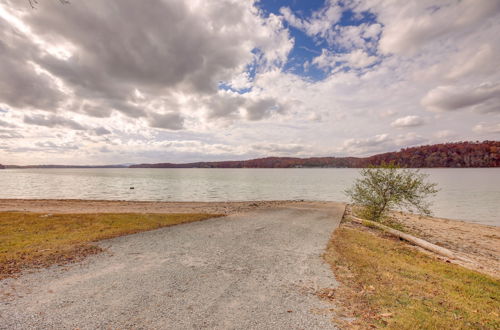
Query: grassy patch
387	284
39	240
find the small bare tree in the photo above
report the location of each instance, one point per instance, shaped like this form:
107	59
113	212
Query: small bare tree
386	187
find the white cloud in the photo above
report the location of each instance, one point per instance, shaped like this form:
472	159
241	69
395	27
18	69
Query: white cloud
372	31
487	128
53	121
356	59
322	25
479	60
380	143
408	121
272	149
321	21
444	134
483	98
418	23
7	124
364	146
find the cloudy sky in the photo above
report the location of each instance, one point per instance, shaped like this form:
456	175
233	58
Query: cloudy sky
126	81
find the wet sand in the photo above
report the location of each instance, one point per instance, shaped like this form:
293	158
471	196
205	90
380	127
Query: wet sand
104	206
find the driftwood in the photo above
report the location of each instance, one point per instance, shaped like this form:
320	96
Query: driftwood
412	239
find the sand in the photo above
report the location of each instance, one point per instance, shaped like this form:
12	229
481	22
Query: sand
477	242
103	206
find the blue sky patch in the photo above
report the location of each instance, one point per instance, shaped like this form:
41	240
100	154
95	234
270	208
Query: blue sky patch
307	47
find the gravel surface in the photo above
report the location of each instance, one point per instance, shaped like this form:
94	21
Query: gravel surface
256	270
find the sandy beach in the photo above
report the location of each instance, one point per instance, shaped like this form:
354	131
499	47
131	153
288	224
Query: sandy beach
476	242
105	206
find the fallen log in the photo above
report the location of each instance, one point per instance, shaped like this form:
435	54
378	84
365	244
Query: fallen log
412	239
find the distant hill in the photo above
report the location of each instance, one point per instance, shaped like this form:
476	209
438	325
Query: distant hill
2	167
459	154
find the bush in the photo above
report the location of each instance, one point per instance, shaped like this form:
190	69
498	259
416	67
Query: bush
383	188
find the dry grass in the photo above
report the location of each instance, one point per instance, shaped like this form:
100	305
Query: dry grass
40	240
385	219
386	283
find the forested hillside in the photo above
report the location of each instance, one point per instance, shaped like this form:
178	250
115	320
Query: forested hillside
459	154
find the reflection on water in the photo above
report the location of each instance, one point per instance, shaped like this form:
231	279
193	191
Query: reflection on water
468	194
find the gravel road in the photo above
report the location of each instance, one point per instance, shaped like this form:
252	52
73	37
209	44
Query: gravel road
256	270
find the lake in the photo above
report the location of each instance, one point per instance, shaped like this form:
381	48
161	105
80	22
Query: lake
467	194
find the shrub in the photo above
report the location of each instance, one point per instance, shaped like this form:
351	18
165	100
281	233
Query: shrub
385	187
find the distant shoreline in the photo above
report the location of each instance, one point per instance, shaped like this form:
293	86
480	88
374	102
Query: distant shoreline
55	167
448	155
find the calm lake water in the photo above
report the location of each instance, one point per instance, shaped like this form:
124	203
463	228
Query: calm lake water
468	194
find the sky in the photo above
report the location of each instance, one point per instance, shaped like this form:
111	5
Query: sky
125	81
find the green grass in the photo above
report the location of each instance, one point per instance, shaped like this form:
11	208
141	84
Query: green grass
39	240
387	284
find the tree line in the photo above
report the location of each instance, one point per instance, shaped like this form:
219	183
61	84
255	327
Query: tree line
457	154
